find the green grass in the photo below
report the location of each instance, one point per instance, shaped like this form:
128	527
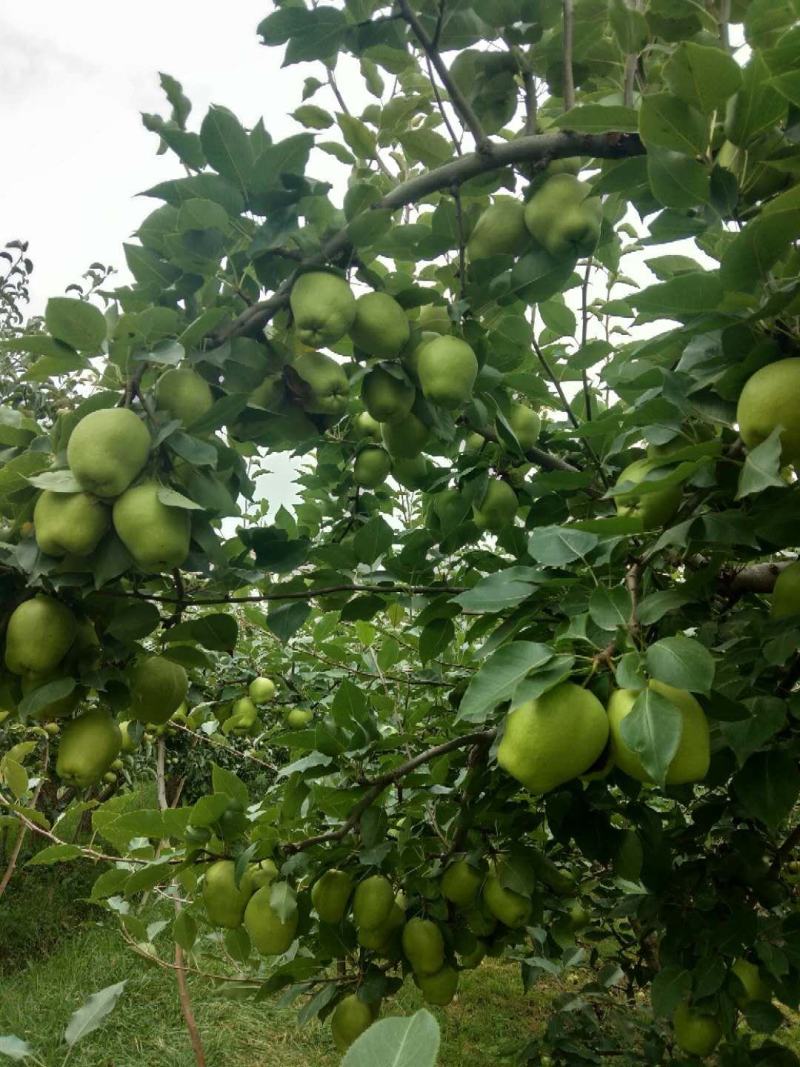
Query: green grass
489	1020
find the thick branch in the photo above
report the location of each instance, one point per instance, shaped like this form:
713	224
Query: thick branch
296	594
381	783
542	459
758	578
494	155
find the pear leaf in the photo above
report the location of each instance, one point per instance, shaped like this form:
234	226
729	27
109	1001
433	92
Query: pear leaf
14	1047
397	1042
653	730
93	1013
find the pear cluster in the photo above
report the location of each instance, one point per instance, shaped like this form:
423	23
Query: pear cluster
241	716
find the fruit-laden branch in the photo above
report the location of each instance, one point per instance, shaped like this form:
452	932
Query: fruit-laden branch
296	594
457	98
378	785
493	156
546	460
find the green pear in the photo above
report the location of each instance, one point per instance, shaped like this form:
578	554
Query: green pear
786	594
554	738
88	747
384	939
753	985
129	744
330	895
184	394
470	960
460	883
350	1018
242	717
297	718
327	386
695	1033
157	687
564	218
439	988
447	371
435	319
224	901
373	901
155	534
323	307
39	634
387	396
69	524
499	231
365	428
423	946
263	873
380	327
85	652
261	690
497	507
771	398
560	881
526	425
567	165
107	450
512	909
270	394
691	760
409	357
372	467
269	934
412	473
654	508
405	438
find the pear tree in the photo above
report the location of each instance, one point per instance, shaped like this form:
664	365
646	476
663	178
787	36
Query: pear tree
517	674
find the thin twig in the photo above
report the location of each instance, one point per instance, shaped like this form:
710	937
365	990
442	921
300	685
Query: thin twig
724	20
303	594
462	261
632	576
569	81
343	105
22	829
440	105
587	396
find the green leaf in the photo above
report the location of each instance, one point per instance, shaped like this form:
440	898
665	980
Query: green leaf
629	26
753	252
75	323
14	1047
503	589
788	85
427	146
373	539
225	781
671	986
556	545
358	137
171	498
56	481
14	775
610	608
397	1042
184	930
657	605
227	146
762	467
282	900
218	632
768	786
599	118
315	34
287	157
42	695
498	678
682	662
667	122
558	318
93	1013
653	730
284	620
680	297
181	104
701	76
317	118
676	180
149	269
756	107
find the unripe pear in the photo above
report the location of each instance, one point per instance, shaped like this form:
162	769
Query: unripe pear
512	909
460	883
526	425
695	1033
39	634
263	873
88	747
447	371
364	427
563	217
330	895
323	307
382	939
409	357
224	901
771	398
69	524
270	394
412	473
184	394
349	1020
297	718
755	988
786	593
373	901
654	508
405	438
157	687
155	534
327	386
691	760
554	738
435	318
500	230
380	327
242	717
372	467
472	959
270	935
439	988
261	690
497	507
423	946
107	450
387	396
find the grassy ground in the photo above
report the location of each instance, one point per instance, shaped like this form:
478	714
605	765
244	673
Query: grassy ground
490	1019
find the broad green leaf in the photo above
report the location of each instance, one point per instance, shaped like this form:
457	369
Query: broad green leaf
653	730
680	297
358	137
282	900
504	589
676	180
768	786
42	695
285	619
57	481
762	467
217	632
656	605
397	1042
225	781
14	775
184	930
227	146
671	986
756	107
556	545
701	76
499	677
667	122
629	26
171	498
309	34
610	608
753	252
317	118
599	118
373	539
427	146
75	323
93	1013
682	662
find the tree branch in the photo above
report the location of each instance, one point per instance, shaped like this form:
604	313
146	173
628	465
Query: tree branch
543	459
758	578
587	396
301	594
381	783
569	81
495	155
632	576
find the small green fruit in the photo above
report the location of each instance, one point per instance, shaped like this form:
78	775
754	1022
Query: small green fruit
243	716
754	986
500	230
184	394
326	385
224	901
387	396
407	437
696	1034
771	398
497	507
158	687
423	946
107	450
447	371
39	634
373	901
512	909
380	327
564	218
349	1020
412	473
297	718
439	988
365	428
155	534
261	690
330	895
88	747
372	467
460	883
269	934
434	318
323	307
263	873
69	524
526	425
654	508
